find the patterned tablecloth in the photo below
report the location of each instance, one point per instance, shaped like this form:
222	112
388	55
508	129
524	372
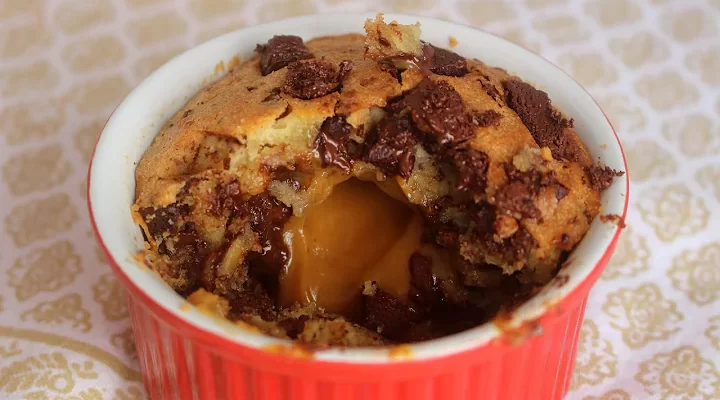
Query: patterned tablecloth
653	321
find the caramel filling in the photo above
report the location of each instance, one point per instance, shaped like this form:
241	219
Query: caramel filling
360	233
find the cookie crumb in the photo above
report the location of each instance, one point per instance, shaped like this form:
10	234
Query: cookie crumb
613	218
452	41
369	288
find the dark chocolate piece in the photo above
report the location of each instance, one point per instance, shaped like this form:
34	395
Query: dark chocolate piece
446	62
309	79
472	166
387	315
601	177
486	118
394	149
331	143
546	125
280	51
438	110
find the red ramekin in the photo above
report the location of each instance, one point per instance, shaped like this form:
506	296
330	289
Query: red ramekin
185	354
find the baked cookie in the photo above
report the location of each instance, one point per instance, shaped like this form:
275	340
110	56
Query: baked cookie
359	190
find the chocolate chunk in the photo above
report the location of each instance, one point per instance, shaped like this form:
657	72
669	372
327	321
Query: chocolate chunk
267	217
546	125
331	143
513	249
221	283
293	326
510	250
386	314
309	79
424	289
187	253
209	275
251	299
280	51
445	62
483	215
393	151
291	178
560	191
486	118
227	198
472	166
164	219
601	177
516	198
439	111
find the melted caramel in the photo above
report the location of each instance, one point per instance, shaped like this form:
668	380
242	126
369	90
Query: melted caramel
358	233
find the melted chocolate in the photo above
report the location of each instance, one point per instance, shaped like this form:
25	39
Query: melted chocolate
332	141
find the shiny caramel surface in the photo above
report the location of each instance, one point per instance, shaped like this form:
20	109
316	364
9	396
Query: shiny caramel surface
359	233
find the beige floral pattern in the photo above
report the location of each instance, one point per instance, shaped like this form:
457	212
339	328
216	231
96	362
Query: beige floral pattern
642	315
640	49
631	257
688	25
695	135
646	159
36	170
617	394
47	270
709	178
111	296
626	116
590	69
706	64
666	90
48	371
24	122
40	219
613	12
561	29
596	360
696	273
652	66
713	331
487	11
93	96
81	56
680	374
519	36
124	341
673	211
67	308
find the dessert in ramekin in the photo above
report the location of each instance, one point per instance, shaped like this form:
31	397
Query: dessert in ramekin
329	193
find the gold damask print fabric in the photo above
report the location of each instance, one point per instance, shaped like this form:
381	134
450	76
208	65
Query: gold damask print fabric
652	327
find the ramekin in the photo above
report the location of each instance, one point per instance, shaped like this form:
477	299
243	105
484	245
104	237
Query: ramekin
185	354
